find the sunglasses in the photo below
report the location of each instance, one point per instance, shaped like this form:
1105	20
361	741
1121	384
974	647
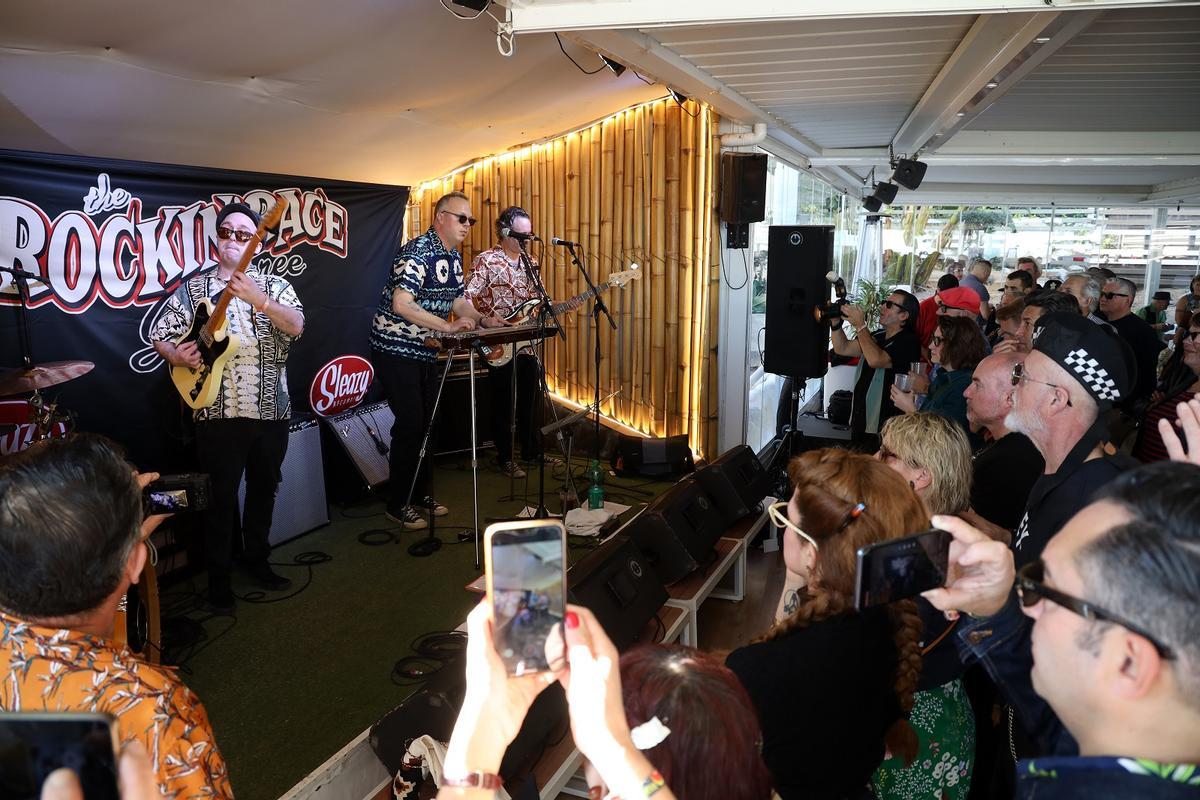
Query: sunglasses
890	304
240	236
1032	590
1111	295
938	340
778	514
1018	375
463	219
1190	335
1014	290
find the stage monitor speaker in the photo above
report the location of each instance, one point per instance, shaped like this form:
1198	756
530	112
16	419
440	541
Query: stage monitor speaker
358	462
678	530
737	482
652	458
797	341
300	504
615	581
743	187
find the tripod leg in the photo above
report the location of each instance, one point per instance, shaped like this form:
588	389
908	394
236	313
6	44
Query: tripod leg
412	487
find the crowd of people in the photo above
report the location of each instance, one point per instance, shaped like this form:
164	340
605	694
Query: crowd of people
1061	659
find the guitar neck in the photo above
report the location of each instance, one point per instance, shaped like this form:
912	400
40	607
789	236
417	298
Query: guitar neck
578	300
218	314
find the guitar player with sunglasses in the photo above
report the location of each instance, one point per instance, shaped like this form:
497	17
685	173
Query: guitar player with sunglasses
244	429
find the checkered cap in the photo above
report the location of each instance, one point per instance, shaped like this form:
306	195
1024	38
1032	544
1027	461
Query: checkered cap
1094	355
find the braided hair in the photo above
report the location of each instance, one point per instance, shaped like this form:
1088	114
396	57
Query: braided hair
829	486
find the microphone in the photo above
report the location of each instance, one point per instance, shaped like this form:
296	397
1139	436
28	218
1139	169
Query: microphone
525	237
563	242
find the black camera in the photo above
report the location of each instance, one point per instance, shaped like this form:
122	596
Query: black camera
177	494
833	313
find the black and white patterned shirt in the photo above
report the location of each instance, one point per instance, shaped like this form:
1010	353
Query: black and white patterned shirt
254	383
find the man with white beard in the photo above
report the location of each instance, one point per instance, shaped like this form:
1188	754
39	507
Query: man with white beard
1072	376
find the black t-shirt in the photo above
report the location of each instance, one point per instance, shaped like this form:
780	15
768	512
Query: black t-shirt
903	348
825	699
1005	471
1047	516
1146	345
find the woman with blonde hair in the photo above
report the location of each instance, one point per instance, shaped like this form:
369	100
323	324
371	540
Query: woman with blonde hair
931	452
832	685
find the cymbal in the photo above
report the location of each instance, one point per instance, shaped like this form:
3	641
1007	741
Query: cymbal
39	376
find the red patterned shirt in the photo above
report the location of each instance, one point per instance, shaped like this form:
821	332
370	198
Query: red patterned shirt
497	286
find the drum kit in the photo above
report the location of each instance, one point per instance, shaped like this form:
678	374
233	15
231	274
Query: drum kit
44	418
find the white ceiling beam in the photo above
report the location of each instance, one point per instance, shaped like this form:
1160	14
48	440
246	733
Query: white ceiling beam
1081	143
1172	192
1021	64
1029	160
650	58
985	54
1023	194
545	16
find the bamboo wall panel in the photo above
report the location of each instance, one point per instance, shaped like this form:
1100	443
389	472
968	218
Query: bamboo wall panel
638	187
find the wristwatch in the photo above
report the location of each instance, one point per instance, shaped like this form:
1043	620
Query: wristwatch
473	780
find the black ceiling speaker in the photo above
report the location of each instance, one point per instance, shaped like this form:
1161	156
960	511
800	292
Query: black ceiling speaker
886	192
872	204
909	173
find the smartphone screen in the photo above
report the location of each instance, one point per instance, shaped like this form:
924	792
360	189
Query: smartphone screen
889	571
32	745
526	566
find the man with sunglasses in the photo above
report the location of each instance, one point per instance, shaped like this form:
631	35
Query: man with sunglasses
1106	659
1116	304
424	287
245	430
894	347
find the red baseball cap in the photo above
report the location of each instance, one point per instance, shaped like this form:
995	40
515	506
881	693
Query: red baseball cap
963	297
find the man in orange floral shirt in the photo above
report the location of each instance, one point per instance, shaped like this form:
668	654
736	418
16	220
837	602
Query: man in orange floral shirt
71	533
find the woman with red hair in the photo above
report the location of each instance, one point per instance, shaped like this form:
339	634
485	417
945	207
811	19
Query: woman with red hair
833	685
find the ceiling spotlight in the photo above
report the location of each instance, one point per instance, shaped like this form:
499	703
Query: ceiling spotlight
613	65
1042	39
961	114
886	192
990	84
909	173
679	96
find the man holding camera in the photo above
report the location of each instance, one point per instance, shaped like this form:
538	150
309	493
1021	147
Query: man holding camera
893	348
1105	663
71	543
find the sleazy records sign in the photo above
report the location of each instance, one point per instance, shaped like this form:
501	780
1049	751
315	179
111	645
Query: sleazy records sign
106	242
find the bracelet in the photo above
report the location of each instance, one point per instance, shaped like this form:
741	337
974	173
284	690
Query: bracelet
861	328
473	780
654	781
263	309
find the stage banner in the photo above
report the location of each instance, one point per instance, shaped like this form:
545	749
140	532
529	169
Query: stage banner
104	244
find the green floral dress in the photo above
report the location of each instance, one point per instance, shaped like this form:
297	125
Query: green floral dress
945	729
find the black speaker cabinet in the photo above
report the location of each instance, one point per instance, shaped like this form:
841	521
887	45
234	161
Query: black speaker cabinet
797	342
300	504
615	581
678	530
743	187
452	434
652	458
357	451
737	482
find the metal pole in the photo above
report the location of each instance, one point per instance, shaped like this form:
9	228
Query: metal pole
475	456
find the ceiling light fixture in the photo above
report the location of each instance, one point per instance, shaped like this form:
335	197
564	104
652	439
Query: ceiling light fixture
616	67
679	96
1042	39
992	84
961	114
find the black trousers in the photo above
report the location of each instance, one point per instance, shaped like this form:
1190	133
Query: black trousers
227	449
411	388
524	370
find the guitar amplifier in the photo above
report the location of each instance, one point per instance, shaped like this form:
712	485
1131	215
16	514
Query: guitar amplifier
364	438
300	504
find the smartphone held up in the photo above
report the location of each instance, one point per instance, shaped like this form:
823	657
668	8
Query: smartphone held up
525	564
35	744
900	568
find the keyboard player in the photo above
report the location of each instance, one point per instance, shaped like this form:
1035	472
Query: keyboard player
423	289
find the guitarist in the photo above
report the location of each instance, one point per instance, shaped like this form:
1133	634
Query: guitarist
497	286
424	287
245	430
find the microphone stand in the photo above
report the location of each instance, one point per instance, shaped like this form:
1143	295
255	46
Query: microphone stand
598	307
21	280
546	307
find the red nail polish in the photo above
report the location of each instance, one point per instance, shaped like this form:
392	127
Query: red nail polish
572	620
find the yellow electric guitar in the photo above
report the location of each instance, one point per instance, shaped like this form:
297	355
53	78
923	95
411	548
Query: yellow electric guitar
499	355
210	331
